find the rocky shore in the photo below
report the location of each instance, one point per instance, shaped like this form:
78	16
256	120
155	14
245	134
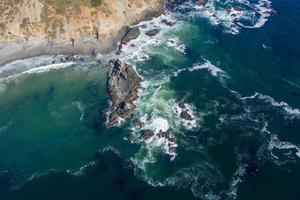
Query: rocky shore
58	27
123	84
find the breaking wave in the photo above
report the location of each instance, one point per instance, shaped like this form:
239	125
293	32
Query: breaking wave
235	14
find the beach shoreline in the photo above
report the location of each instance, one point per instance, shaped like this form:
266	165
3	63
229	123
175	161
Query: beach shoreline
20	49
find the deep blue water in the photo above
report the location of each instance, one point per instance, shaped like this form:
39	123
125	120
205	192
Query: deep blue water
234	64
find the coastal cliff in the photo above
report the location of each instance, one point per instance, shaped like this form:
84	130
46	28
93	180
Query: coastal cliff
35	27
71	20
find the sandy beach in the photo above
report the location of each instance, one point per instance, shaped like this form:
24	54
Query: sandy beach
16	50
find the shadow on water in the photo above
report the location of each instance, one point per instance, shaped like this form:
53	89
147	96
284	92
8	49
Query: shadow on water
107	179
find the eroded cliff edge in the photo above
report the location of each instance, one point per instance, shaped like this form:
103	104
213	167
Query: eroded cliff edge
34	27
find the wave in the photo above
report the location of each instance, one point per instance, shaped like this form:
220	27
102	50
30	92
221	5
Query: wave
212	69
236	180
201	178
285	107
80	107
40	69
236	14
141	48
275	143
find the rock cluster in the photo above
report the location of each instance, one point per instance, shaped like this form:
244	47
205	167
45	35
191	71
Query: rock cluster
123	84
184	114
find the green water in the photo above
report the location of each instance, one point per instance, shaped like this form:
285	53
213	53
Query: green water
243	91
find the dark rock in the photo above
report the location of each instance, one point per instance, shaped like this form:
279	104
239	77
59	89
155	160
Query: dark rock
123	84
173	4
172	149
201	2
185	115
137	123
152	33
131	34
181	105
131	139
171	140
164	134
147	134
168	23
237	8
228	10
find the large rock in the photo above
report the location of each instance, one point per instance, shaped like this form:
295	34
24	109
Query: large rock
123	84
148	134
185	115
152	33
131	34
137	123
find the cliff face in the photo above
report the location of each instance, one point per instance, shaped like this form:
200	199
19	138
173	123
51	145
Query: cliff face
70	19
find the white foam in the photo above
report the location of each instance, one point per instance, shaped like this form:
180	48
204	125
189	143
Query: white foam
41	69
236	180
141	48
275	143
292	112
47	68
266	46
287	108
233	18
159	124
213	70
190	109
19	66
80	107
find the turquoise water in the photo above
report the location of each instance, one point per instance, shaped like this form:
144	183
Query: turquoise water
236	71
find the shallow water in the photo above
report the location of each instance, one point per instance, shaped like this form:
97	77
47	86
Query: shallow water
238	75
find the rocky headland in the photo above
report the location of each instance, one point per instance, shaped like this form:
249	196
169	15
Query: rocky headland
123	85
37	27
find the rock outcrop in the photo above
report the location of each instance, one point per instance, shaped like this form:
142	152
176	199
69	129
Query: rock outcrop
123	84
152	32
130	34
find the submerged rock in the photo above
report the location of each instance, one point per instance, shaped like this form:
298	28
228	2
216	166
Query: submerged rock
123	84
148	134
201	2
185	115
181	105
137	123
152	33
168	23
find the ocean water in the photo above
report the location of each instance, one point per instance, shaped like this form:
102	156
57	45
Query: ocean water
235	65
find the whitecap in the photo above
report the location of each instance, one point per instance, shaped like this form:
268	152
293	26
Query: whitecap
275	143
47	68
80	107
213	70
286	107
236	180
245	14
